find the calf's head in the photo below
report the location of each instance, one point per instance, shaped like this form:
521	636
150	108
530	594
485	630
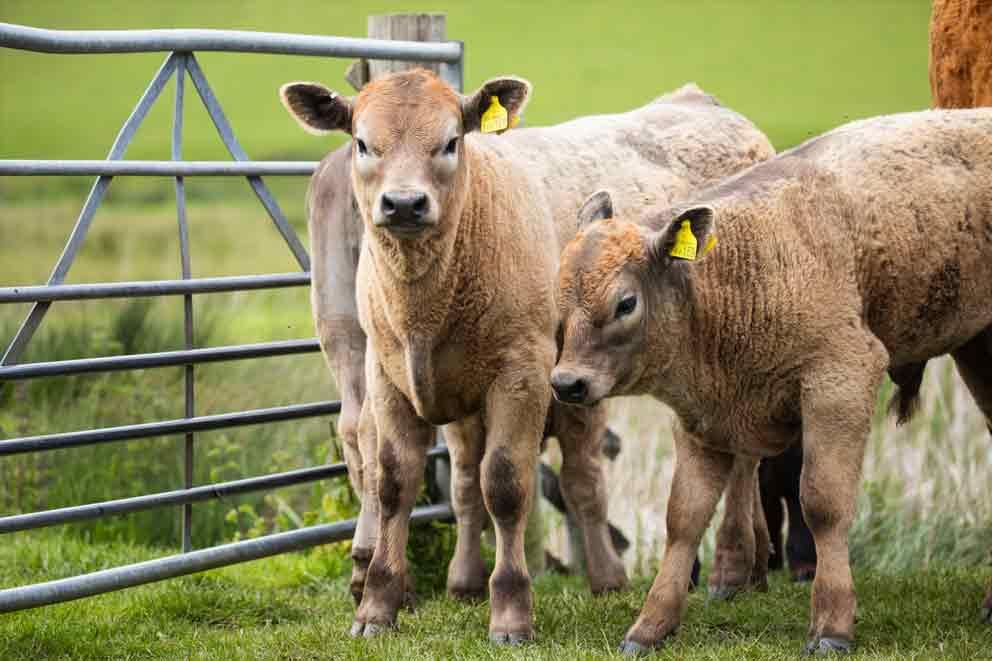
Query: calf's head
624	300
408	154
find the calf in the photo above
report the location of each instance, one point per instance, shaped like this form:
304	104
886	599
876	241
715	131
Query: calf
864	250
656	153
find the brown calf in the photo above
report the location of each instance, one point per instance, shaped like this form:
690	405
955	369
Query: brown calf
864	250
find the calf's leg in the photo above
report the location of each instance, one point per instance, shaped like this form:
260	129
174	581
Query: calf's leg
467	573
516	407
580	432
837	403
974	363
700	477
403	440
736	539
799	546
367	528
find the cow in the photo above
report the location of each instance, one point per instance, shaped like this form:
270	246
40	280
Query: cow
658	152
767	309
455	292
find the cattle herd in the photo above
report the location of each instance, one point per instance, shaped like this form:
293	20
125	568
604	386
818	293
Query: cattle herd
503	282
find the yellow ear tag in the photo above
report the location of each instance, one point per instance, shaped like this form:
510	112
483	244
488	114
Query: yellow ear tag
685	243
494	119
710	244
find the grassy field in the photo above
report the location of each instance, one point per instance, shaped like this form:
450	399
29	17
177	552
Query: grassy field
293	607
921	542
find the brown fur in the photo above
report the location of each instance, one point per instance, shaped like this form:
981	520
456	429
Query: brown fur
961	53
874	254
657	153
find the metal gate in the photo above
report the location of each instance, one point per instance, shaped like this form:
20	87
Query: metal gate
181	61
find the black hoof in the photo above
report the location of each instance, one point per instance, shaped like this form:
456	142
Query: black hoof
512	639
632	648
987	615
825	646
803	576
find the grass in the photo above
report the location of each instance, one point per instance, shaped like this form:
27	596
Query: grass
298	607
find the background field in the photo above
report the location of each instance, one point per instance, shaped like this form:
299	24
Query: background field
795	68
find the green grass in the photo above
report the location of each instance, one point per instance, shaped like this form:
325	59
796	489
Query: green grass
298	607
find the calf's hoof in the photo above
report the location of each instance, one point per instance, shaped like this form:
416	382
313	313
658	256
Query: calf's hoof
723	592
467	592
987	614
512	638
633	648
614	583
826	646
369	629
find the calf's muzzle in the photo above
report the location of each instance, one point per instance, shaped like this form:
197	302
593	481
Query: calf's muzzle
404	212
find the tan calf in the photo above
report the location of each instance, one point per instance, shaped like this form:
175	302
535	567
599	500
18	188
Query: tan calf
864	250
655	153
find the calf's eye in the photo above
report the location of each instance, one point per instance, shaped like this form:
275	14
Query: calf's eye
626	306
362	149
452	145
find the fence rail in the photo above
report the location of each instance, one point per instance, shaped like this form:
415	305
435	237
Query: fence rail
179	64
24	168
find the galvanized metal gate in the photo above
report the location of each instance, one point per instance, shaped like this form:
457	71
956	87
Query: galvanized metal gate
181	61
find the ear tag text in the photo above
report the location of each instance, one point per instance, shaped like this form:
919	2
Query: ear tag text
710	245
494	119
685	243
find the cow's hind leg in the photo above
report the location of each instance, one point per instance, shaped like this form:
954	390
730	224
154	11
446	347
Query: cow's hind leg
367	528
467	573
974	363
737	539
799	546
580	432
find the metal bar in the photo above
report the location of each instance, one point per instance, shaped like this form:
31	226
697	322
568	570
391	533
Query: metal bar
143	41
151	288
238	153
189	377
220	490
118	578
454	72
179	168
166	427
38	310
159	359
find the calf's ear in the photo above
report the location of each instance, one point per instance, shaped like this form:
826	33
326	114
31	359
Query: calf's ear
599	206
688	236
317	109
512	94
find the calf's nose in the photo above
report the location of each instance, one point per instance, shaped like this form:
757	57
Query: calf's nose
404	206
568	387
